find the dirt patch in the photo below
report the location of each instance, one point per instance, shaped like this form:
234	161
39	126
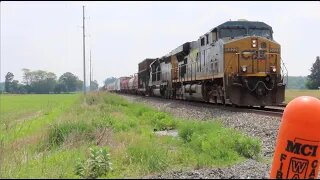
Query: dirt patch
22	142
74	140
101	137
104	136
28	116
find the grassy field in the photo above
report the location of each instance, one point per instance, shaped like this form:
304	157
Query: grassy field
44	136
292	93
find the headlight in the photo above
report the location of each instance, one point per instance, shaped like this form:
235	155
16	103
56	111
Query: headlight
244	68
273	68
254	43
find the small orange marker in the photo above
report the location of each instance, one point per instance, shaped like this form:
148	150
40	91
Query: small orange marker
297	152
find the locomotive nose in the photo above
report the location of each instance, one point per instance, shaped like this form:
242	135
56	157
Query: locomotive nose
261	90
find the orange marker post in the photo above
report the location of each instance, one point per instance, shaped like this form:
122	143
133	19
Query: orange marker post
297	152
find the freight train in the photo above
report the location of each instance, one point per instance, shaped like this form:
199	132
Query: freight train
237	62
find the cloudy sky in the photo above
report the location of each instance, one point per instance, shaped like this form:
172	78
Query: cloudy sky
48	35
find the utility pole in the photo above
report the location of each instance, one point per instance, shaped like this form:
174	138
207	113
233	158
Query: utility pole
90	72
84	56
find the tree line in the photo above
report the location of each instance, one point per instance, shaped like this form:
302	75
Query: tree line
313	81
43	82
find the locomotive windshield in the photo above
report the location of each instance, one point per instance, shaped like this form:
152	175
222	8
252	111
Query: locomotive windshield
236	32
260	32
232	32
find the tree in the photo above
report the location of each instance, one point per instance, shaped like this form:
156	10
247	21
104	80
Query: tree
313	81
42	81
109	80
27	79
79	85
59	88
27	76
94	85
8	82
15	86
70	81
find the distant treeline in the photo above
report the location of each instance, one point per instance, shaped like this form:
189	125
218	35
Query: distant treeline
294	82
1	86
43	82
297	82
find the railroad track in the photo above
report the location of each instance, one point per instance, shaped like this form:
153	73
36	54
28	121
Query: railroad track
276	111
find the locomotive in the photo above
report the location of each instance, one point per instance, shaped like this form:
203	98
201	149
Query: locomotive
237	62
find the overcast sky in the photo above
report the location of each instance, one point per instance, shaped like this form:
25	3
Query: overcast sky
48	35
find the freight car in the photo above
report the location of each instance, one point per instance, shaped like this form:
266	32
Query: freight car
133	84
124	84
144	76
237	62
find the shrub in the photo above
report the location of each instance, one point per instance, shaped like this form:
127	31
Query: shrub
186	131
97	165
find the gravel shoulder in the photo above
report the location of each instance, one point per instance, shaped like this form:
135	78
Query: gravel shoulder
255	125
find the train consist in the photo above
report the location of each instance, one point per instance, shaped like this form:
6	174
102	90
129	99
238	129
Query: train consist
237	62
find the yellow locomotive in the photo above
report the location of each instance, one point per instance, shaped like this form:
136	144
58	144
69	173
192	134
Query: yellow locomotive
237	62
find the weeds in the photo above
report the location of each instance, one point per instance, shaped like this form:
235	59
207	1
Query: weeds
149	156
59	132
135	149
217	142
159	120
97	165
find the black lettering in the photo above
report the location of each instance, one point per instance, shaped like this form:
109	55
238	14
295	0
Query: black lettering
314	164
296	176
281	164
283	157
314	153
303	150
312	174
279	175
293	147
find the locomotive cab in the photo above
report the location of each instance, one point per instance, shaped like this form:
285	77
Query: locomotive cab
252	65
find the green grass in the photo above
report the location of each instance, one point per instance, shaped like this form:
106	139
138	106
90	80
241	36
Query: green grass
292	93
23	115
127	129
